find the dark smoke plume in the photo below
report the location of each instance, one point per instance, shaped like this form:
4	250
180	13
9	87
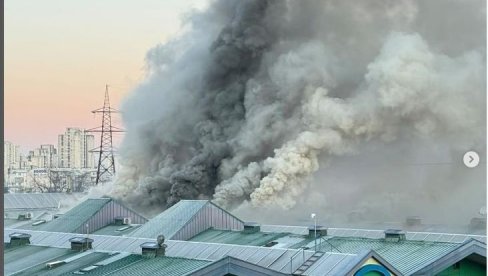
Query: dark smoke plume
256	97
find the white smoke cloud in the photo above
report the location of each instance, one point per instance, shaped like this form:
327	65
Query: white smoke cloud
406	87
258	96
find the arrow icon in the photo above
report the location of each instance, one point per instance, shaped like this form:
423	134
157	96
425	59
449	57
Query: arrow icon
471	159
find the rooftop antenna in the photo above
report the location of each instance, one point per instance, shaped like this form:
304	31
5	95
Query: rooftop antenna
106	162
314	217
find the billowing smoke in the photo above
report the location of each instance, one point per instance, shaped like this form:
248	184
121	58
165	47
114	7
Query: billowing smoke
255	97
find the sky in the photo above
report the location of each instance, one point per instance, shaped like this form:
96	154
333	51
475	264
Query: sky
60	54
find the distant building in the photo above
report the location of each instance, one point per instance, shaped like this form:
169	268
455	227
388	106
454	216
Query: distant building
16	180
74	149
43	157
11	156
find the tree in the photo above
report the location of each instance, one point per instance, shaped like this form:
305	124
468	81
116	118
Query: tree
53	181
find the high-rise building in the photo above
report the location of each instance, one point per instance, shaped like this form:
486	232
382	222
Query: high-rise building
43	157
74	149
11	156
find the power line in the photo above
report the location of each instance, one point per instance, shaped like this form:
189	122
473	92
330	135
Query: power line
106	162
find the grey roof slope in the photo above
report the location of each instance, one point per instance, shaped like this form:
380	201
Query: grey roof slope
406	256
77	216
18	259
234	266
361	258
471	249
30	201
277	259
136	265
90	215
376	234
32	259
172	220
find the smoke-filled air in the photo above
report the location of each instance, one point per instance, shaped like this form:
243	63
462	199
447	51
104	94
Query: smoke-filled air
294	105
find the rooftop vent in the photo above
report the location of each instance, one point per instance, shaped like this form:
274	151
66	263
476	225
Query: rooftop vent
413	221
54	264
251	227
81	244
321	231
25	216
154	249
18	239
271	244
39	222
122	221
394	235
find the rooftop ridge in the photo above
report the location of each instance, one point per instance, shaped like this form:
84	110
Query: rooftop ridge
359	232
73	235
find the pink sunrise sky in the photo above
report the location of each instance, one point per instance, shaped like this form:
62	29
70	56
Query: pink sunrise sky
60	54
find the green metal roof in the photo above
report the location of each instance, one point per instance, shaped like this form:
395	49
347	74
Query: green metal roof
139	265
236	237
75	217
66	268
20	258
111	230
31	260
406	256
171	220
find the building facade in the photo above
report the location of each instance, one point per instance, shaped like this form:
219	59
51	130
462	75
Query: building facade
74	148
43	157
11	156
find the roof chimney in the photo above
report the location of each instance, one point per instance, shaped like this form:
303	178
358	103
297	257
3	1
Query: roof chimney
18	239
25	216
394	235
154	249
321	231
251	227
81	244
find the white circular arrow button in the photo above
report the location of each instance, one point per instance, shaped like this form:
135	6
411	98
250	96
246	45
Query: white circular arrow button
471	159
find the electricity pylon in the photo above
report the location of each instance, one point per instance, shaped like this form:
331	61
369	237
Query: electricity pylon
106	162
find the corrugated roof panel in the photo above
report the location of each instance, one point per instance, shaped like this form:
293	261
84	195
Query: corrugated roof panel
247	253
223	250
113	258
196	250
15	260
76	217
38	200
68	268
236	252
138	265
170	221
404	255
259	255
282	262
325	264
236	237
206	252
178	250
271	258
